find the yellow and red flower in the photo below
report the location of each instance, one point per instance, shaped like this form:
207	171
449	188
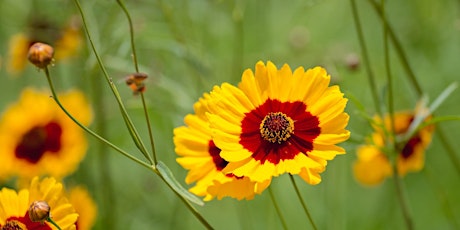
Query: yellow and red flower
37	138
202	158
373	165
14	206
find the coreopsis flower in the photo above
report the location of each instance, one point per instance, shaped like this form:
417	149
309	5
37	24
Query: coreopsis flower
37	138
201	157
66	42
84	205
373	165
14	207
279	121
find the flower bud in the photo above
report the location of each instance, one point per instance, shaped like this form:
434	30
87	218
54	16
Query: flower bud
39	211
136	82
40	54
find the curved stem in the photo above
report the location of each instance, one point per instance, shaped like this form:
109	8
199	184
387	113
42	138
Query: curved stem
56	99
131	128
278	211
304	206
131	33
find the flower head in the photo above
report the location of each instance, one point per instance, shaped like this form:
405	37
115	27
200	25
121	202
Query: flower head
14	206
373	165
200	155
37	138
39	211
279	121
41	55
81	200
136	82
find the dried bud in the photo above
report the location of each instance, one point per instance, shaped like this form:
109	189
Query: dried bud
39	211
352	61
40	54
136	82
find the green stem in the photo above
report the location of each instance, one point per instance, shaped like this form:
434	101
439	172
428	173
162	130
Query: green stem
278	211
131	128
152	143
402	199
186	202
304	206
53	223
56	99
366	59
131	33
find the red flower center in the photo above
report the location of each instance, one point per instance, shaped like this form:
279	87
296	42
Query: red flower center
23	223
39	140
214	151
268	131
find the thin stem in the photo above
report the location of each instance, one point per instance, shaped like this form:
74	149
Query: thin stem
364	53
402	199
53	223
278	211
56	99
152	143
131	128
304	206
186	202
131	33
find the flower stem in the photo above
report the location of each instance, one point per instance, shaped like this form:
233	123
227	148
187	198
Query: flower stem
278	211
304	206
149	128
131	128
131	33
56	99
365	55
402	199
53	223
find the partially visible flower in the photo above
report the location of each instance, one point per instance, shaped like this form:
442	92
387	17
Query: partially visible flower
37	138
201	157
14	206
135	81
81	200
279	121
373	165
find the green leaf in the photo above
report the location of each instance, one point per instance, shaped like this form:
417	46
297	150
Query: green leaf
169	178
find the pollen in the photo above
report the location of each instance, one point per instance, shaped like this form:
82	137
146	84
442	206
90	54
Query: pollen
276	127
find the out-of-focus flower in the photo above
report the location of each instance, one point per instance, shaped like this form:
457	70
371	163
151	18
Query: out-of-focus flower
279	121
14	206
66	43
37	138
81	200
135	81
201	157
373	165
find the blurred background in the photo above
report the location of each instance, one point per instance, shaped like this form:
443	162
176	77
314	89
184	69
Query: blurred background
186	47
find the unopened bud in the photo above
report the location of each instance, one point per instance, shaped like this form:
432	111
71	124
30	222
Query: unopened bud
39	211
136	82
40	54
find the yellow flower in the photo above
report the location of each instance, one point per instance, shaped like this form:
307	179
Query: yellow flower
373	166
85	207
14	206
200	155
278	121
37	138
